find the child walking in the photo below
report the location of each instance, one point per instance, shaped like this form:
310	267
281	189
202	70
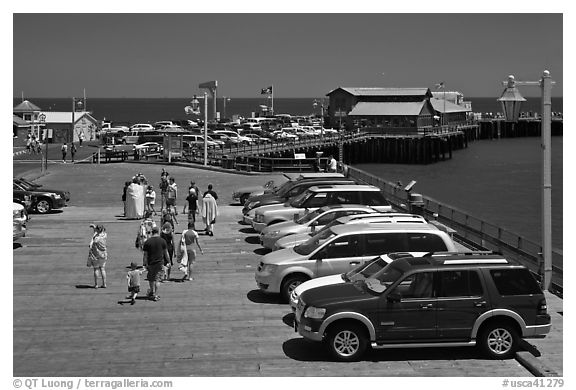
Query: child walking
133	277
150	199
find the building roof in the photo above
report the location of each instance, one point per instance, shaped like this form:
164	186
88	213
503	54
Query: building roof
26	106
374	91
65	117
16	120
387	108
439	106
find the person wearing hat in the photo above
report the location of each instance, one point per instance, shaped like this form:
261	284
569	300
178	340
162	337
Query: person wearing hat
98	254
155	256
133	277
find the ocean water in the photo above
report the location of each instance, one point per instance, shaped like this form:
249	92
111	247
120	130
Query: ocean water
498	181
150	110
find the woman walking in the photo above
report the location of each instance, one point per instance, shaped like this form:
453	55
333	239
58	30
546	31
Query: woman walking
209	211
98	254
188	252
134	200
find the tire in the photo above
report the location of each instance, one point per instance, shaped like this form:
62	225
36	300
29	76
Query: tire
289	284
499	340
347	342
43	206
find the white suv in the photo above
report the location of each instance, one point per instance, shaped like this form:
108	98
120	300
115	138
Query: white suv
341	248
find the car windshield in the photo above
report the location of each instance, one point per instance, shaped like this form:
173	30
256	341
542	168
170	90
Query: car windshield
365	270
383	279
24	186
326	227
313	243
284	188
299	200
310	216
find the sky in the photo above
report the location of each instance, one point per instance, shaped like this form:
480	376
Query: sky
301	55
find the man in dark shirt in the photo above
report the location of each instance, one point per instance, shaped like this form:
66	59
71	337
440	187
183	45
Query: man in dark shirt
211	192
155	256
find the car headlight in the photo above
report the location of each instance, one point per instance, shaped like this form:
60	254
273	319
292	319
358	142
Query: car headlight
314	312
268	268
275	233
258	218
57	196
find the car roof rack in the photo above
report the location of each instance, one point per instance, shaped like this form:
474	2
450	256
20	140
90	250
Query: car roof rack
462	253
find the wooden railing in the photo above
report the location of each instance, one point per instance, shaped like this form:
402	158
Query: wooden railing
472	230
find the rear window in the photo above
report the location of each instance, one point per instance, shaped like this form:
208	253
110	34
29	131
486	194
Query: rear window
516	281
425	242
374	198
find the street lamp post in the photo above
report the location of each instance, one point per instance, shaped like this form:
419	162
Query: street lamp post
195	109
225	100
511	101
321	103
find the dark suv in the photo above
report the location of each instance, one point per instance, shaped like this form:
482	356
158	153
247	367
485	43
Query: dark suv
437	300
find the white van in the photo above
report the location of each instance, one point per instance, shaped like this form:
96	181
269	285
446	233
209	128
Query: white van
340	248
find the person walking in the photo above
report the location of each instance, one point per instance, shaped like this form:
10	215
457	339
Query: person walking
171	194
168	235
134	200
150	199
72	151
144	230
133	277
155	256
98	254
187	251
163	189
126	184
81	138
209	211
64	150
192	203
211	192
332	164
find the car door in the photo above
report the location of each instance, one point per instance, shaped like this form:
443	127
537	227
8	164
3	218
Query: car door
338	256
461	300
412	317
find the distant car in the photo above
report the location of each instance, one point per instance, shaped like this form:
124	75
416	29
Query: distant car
258	139
240	139
160	124
281	135
43	200
141	126
149	147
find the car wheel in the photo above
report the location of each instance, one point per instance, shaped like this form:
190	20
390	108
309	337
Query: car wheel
289	284
43	206
499	340
347	342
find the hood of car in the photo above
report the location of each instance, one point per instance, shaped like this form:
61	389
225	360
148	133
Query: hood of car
281	256
248	190
319	282
292	240
335	294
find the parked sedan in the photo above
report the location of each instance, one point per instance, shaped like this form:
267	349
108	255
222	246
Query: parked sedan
149	147
43	200
258	139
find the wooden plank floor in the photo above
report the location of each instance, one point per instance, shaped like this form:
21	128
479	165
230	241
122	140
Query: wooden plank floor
217	325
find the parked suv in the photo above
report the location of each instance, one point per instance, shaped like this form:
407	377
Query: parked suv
319	196
481	300
341	248
287	191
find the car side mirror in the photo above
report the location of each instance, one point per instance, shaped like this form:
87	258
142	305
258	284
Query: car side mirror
394	297
296	216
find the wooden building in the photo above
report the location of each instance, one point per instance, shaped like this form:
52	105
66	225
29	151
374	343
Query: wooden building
391	110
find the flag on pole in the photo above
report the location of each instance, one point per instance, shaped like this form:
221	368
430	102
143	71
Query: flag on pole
265	91
440	86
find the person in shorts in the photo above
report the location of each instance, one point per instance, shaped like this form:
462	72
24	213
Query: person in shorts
155	256
133	277
192	203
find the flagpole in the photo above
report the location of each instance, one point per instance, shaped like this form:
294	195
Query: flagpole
85	105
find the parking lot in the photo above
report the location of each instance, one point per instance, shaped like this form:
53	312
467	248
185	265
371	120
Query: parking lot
217	325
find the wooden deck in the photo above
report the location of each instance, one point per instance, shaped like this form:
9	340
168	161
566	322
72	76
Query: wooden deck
218	325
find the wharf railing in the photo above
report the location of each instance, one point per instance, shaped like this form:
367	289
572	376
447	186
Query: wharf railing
471	231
